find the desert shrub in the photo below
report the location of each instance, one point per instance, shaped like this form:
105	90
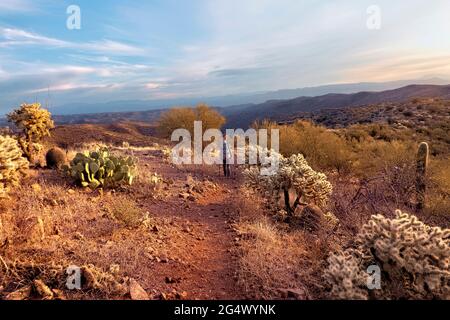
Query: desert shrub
374	157
101	169
127	212
183	118
55	158
324	149
293	173
12	164
35	124
438	190
413	257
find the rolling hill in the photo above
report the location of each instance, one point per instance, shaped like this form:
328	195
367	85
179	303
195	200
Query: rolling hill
242	116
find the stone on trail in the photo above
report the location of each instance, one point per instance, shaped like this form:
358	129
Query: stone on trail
137	292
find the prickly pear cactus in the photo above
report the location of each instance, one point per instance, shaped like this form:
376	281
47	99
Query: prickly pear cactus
421	171
12	164
101	169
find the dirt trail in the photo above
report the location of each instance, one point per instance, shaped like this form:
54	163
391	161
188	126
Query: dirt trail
202	258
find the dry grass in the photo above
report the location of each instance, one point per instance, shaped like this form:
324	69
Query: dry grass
127	212
269	261
273	257
58	226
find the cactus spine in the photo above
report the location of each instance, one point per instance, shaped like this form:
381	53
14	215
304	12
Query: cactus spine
421	170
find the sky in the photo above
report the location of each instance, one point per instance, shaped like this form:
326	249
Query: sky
163	49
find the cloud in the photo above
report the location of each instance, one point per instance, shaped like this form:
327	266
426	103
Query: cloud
17	37
7	6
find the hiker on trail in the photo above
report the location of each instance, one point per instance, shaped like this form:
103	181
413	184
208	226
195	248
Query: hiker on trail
226	157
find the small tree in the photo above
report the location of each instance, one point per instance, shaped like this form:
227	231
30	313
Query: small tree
183	118
35	124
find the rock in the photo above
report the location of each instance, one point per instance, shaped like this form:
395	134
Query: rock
21	294
191	198
163	296
42	289
136	291
186	228
297	293
181	295
171	280
71	191
119	289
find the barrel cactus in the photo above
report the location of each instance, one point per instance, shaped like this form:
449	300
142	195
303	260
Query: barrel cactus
101	169
12	164
55	158
421	171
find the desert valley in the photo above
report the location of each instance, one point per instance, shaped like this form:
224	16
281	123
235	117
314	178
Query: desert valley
187	232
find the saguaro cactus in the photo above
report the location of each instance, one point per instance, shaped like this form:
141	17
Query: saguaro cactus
421	170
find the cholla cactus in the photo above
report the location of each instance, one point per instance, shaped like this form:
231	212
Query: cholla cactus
293	173
12	164
35	123
414	259
345	276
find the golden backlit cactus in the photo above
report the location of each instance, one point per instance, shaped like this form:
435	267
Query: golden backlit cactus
12	164
35	124
421	171
295	174
413	257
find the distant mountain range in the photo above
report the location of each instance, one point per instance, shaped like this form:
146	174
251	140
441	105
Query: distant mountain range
238	99
242	115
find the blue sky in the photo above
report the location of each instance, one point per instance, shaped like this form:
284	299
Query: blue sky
159	49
